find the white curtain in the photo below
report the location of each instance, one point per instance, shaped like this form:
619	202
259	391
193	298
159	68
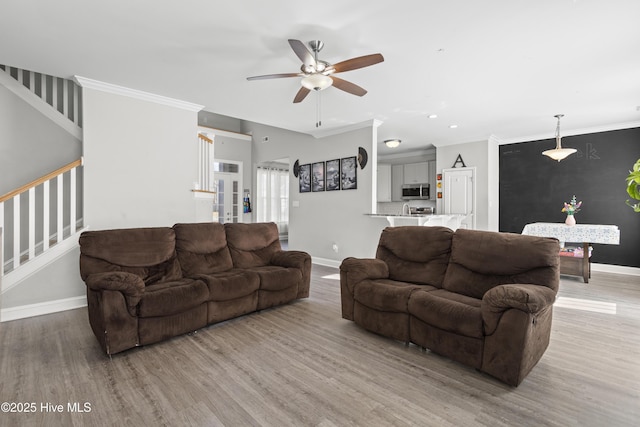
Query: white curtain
272	198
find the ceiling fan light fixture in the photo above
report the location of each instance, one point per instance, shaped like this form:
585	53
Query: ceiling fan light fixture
392	143
559	153
316	82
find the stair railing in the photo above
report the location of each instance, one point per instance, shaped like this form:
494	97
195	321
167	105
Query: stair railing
52	232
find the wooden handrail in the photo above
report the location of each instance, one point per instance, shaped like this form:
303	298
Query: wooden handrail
206	138
40	180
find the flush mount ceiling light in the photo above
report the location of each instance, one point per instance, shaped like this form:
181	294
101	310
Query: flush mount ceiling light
559	153
392	143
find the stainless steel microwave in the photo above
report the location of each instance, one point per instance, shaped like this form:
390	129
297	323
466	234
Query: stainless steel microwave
415	191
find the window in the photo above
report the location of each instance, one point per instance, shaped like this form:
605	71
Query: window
272	198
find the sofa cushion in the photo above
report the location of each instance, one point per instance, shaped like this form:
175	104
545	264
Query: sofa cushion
167	298
274	278
252	245
416	254
202	248
386	294
232	284
481	260
448	311
147	252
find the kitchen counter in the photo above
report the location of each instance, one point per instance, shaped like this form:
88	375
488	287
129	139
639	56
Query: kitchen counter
452	221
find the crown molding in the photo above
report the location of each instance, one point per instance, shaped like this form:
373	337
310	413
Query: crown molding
338	130
136	94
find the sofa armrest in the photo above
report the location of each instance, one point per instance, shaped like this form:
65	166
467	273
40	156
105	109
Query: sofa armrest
130	285
291	259
296	259
353	271
358	269
531	299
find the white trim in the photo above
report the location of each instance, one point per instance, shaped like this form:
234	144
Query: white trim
616	269
326	262
14	277
39	309
137	94
339	130
206	131
40	105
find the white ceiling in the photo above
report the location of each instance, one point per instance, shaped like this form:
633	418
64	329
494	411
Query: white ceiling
493	67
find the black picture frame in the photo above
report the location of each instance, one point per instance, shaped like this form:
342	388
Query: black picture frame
348	173
317	176
304	178
332	175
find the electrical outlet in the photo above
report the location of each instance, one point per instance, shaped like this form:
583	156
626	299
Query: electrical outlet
335	247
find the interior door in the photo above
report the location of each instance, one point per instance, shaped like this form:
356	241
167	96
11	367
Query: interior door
459	194
227	181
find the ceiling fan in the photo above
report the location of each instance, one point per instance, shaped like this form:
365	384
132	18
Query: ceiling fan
318	75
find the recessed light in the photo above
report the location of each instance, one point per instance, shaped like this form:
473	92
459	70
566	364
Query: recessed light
432	116
453	126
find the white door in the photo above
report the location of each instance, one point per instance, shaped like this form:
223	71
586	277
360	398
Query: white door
227	182
459	194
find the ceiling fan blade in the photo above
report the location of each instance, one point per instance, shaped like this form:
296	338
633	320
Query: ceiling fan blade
302	52
302	94
348	87
273	76
359	62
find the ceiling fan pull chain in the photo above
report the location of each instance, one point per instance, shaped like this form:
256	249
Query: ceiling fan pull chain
318	108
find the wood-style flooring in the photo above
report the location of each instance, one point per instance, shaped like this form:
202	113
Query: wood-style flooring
303	365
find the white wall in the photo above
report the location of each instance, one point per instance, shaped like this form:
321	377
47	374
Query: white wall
141	162
321	219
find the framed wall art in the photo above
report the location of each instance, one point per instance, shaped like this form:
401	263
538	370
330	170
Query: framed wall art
333	175
304	178
348	168
317	176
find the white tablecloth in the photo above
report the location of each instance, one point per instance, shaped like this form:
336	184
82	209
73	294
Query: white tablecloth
590	233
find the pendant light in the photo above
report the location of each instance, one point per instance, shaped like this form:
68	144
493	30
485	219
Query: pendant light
559	153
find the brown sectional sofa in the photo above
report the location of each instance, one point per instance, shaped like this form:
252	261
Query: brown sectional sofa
481	298
146	285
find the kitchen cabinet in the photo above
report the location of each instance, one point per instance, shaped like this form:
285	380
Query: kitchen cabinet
397	179
384	183
416	173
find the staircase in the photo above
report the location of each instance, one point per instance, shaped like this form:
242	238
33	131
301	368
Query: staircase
41	221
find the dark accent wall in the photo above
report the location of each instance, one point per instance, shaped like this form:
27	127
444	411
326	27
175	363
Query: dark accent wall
534	187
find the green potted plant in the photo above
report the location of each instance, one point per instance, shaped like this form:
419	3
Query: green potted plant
633	186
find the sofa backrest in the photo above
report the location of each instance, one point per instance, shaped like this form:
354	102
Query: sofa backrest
481	260
147	252
252	245
416	254
202	248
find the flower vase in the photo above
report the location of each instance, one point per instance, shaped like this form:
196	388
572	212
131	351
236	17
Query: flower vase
570	221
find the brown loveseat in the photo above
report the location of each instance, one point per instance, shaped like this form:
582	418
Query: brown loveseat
481	298
145	285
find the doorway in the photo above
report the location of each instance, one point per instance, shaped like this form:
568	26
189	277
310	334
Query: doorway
460	194
227	184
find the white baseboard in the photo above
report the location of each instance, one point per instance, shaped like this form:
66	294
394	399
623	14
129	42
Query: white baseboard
326	262
617	269
32	310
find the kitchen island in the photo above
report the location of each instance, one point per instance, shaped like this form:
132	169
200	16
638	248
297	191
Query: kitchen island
453	221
